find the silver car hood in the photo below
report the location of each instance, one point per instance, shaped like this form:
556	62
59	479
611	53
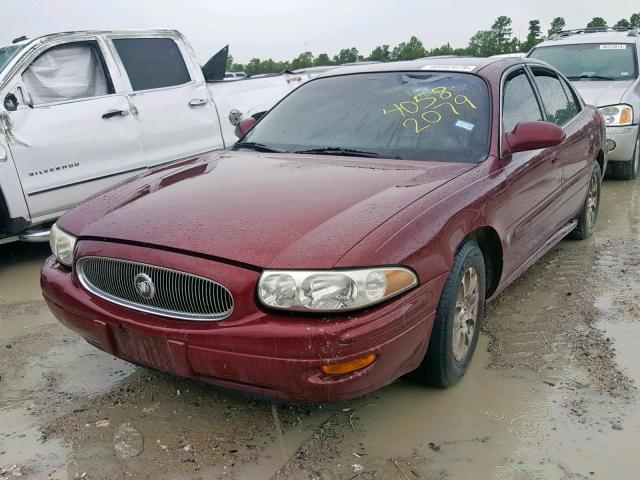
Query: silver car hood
602	93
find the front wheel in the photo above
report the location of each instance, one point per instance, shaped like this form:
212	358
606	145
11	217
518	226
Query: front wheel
630	169
457	323
588	218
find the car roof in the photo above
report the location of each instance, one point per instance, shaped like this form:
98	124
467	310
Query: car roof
148	31
572	37
449	63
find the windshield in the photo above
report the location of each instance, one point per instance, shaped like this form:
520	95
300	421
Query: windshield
7	53
591	61
413	115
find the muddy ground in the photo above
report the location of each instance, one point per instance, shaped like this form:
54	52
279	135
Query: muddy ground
551	393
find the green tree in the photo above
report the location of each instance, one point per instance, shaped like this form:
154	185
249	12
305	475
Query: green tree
380	54
253	67
623	23
409	50
229	62
634	21
304	60
346	55
597	22
446	49
322	60
557	25
482	44
502	32
533	37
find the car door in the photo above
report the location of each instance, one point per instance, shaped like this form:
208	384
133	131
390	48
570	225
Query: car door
172	104
534	177
71	134
563	108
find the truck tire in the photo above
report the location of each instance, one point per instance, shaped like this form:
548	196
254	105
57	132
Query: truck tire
627	170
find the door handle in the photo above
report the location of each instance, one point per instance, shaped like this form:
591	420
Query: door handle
116	113
554	158
197	102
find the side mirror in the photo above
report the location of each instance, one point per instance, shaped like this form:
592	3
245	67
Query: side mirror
10	102
534	135
244	126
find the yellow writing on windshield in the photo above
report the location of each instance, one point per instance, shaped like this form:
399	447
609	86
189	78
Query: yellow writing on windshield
427	109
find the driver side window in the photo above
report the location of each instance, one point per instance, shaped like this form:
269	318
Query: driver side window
519	102
67	72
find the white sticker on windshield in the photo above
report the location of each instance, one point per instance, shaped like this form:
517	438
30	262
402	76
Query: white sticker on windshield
453	68
611	46
466	125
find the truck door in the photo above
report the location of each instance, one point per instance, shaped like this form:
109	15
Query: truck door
72	134
175	113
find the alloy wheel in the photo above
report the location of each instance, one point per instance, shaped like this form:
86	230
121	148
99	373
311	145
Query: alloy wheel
592	202
465	314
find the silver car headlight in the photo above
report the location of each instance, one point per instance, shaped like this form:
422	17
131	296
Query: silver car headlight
62	245
617	115
332	290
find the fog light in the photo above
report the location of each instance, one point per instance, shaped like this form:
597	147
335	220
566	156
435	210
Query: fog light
348	367
610	145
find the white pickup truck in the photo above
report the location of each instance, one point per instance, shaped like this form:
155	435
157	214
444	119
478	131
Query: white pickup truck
82	111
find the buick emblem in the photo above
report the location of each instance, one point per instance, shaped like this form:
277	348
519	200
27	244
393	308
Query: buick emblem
145	286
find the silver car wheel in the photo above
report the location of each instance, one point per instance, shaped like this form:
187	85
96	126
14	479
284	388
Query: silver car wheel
465	314
636	156
592	202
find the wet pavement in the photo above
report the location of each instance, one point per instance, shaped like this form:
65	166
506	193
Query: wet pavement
551	392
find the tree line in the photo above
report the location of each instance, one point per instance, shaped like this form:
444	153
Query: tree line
498	39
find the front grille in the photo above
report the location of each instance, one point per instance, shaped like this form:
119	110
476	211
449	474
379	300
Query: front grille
153	289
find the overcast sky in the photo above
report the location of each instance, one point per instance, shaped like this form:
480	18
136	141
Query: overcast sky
281	29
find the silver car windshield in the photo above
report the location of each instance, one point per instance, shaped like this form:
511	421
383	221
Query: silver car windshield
591	61
7	53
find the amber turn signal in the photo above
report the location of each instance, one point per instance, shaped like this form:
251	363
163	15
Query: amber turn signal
348	367
626	116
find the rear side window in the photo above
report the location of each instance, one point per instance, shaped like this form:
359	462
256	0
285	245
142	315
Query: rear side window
556	103
574	103
152	62
67	72
519	101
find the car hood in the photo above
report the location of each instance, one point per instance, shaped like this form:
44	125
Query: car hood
602	93
263	210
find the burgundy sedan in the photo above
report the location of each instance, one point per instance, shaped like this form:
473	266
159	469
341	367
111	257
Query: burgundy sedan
351	236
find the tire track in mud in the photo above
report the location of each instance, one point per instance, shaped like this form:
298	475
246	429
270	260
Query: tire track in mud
546	321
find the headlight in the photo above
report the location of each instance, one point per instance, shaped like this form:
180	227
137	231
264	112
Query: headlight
617	115
332	290
62	245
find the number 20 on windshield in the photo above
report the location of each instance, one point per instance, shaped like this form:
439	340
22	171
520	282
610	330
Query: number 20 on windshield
427	109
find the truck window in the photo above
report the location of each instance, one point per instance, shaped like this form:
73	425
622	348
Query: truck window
152	62
67	72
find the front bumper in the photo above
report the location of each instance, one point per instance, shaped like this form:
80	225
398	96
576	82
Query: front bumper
625	142
265	354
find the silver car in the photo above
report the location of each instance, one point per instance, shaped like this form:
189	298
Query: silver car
603	64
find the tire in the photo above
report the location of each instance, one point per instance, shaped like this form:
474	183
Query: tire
444	364
588	218
627	170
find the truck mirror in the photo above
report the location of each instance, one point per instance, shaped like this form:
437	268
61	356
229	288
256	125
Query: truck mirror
11	102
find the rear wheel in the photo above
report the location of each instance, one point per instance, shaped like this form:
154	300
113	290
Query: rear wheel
588	218
627	170
457	323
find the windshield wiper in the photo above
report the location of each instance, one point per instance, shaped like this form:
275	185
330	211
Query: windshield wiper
597	77
258	147
341	151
